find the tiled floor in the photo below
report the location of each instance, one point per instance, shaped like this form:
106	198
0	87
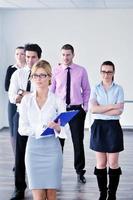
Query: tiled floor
70	190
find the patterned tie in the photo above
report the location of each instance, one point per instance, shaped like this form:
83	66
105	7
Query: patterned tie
68	86
28	83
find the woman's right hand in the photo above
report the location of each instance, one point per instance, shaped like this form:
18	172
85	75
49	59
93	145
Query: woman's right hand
55	126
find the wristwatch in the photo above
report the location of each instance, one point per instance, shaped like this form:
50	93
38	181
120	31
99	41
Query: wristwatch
20	92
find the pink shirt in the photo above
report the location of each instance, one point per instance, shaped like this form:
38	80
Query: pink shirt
80	87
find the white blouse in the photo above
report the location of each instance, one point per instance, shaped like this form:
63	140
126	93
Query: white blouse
33	120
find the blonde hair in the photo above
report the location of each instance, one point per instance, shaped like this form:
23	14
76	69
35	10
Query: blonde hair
44	65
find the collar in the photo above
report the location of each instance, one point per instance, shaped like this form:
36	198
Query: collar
14	66
34	93
71	66
27	68
101	84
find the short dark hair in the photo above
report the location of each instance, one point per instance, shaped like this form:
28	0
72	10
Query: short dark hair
68	47
20	47
33	47
109	63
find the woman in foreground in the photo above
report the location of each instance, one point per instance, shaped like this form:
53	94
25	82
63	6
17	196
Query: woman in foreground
43	154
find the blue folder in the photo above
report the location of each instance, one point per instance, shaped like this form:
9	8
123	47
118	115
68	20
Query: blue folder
64	118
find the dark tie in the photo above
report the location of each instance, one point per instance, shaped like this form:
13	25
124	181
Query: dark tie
68	86
28	83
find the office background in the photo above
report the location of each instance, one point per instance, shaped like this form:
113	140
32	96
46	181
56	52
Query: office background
96	34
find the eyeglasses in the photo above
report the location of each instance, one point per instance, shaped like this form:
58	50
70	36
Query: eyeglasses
41	76
107	72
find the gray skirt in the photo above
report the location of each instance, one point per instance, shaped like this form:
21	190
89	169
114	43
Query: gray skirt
44	162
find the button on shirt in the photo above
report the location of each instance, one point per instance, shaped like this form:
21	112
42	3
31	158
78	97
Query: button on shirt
101	96
80	87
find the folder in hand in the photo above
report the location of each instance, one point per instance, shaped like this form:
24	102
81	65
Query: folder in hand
64	118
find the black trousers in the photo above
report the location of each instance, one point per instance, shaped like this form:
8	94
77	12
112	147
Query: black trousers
12	109
20	183
77	134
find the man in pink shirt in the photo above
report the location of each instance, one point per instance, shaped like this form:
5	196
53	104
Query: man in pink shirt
70	82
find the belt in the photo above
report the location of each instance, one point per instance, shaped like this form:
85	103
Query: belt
74	107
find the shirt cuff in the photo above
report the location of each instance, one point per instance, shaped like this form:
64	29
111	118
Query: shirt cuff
26	132
62	133
85	108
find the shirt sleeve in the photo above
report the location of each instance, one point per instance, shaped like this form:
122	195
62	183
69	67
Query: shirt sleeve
85	90
14	87
120	95
93	97
24	126
61	107
53	83
8	77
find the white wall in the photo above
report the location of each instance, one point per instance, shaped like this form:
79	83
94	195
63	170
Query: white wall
3	101
97	35
1	88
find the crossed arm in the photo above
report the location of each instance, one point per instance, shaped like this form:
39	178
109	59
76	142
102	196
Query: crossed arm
111	109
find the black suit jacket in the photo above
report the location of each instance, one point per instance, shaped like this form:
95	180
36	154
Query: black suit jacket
10	71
